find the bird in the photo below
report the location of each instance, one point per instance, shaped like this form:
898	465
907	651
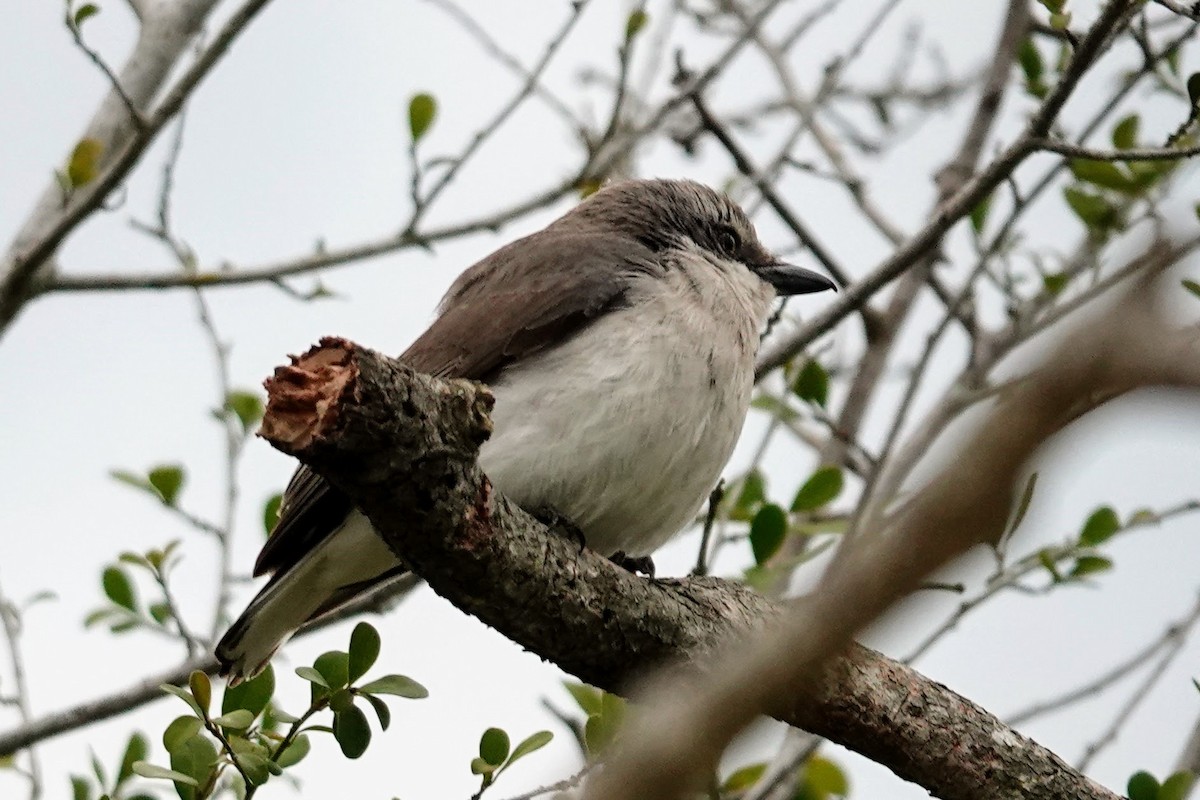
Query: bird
619	343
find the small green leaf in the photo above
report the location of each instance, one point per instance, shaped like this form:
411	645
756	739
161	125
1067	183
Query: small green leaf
271	512
1046	559
256	767
118	588
237	720
1191	286
588	698
148	770
159	612
364	649
1177	787
1092	209
1033	67
84	164
197	758
352	732
493	746
1103	173
421	112
979	215
530	744
812	384
312	676
182	694
1142	786
381	710
767	532
743	778
481	767
84	12
398	685
1125	134
1090	565
341	700
819	490
179	731
637	20
252	695
167	480
295	752
751	491
81	789
1101	526
823	778
246	406
1054	283
136	750
334	667
201	688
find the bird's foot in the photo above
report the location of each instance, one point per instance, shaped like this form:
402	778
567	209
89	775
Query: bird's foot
551	518
635	564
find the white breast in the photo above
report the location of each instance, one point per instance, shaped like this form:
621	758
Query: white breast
625	428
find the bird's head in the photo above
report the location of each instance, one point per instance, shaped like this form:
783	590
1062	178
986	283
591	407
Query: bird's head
680	214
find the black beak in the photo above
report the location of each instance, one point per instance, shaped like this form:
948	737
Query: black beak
788	279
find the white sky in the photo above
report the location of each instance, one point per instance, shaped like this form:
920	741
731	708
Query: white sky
300	135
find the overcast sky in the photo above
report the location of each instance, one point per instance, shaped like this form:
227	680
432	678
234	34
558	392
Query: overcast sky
300	136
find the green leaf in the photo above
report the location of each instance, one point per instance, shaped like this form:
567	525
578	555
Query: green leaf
159	612
398	685
588	698
182	694
751	492
1054	282
148	770
167	480
84	163
1142	786
481	767
601	728
352	732
312	676
812	384
421	112
81	789
246	406
637	20
530	744
1033	67
256	767
1193	89
1092	209
1103	173
979	215
364	649
743	778
252	695
295	752
1125	134
1090	565
237	720
118	588
1176	787
819	490
136	750
1101	526
179	731
201	688
271	512
1191	286
824	778
84	12
494	746
381	710
334	667
767	532
340	700
197	758
1046	559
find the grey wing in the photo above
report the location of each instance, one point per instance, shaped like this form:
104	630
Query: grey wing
504	307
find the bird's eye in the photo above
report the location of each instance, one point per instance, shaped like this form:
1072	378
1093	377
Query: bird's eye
729	240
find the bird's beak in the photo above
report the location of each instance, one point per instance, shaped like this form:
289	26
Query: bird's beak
788	279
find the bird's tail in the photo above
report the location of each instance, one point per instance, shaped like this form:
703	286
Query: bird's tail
350	561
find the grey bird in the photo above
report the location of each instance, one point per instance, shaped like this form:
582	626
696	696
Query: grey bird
619	342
